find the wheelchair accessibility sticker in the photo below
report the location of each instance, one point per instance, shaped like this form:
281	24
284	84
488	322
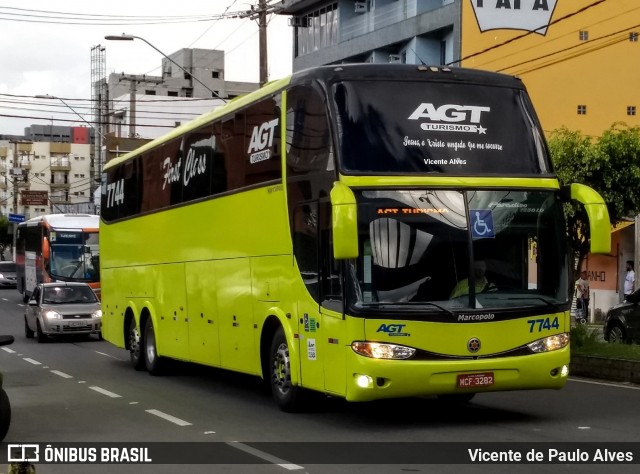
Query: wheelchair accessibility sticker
482	224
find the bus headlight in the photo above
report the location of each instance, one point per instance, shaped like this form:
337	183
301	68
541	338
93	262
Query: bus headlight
52	315
551	343
382	350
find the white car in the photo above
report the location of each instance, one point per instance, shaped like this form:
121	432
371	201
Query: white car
62	308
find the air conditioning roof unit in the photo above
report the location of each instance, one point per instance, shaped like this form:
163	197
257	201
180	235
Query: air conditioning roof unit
361	7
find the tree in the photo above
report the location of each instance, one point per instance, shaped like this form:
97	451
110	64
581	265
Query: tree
6	239
609	164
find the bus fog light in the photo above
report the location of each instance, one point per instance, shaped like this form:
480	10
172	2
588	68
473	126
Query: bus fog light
565	370
381	350
364	381
551	343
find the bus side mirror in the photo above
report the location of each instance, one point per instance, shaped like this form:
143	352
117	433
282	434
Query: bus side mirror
599	223
345	222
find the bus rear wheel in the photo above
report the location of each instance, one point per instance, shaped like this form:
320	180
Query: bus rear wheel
135	347
287	396
154	363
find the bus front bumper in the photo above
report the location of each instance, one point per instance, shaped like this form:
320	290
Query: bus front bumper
372	379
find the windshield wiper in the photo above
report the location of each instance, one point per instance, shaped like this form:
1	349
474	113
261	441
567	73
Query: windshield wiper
547	302
411	303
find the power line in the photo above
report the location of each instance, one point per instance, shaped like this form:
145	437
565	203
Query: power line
528	33
581	45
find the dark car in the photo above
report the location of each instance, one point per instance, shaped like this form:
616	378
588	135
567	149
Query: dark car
622	322
62	308
7	274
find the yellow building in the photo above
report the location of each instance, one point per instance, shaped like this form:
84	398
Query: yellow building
578	58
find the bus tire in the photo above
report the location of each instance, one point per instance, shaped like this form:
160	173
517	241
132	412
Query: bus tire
27	332
287	396
135	347
5	414
154	363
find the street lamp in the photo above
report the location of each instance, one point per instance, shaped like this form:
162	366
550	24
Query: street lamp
125	37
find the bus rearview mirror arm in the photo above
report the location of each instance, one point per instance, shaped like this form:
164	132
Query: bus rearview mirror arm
599	222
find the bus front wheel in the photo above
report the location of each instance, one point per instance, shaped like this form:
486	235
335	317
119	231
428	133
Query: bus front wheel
153	362
135	347
287	396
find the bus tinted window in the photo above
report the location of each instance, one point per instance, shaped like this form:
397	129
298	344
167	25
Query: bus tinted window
459	129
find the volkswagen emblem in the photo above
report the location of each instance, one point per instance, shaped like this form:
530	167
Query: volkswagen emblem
473	345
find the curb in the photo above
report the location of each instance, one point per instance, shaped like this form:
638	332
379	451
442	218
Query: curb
618	370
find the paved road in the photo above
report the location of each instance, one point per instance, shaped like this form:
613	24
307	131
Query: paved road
84	390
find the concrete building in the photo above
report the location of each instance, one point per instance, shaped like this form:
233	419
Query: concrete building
148	106
574	56
45	177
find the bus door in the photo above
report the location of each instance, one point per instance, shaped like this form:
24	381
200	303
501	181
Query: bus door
310	328
30	272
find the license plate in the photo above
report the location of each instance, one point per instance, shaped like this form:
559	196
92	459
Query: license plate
475	380
76	323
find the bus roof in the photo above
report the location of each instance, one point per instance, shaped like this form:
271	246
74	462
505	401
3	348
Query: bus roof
66	221
328	74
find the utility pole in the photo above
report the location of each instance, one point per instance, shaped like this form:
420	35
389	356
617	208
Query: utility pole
134	80
262	32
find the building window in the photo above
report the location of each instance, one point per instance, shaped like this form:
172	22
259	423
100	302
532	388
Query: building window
631	110
633	36
172	94
215	74
582	110
177	124
583	35
149	92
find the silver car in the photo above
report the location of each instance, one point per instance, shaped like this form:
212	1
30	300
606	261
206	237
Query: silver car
62	308
7	274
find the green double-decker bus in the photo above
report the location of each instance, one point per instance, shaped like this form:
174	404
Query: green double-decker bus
363	231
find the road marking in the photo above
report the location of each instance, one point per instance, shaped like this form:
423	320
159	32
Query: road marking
170	418
31	361
109	355
62	374
606	384
105	392
10	351
266	456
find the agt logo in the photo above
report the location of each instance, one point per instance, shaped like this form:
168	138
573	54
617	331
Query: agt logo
393	329
261	140
450	117
528	15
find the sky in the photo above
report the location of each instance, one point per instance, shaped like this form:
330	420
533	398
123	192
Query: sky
45	48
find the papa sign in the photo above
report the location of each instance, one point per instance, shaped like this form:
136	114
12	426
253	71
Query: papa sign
529	15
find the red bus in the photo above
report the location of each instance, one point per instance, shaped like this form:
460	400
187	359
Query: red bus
57	247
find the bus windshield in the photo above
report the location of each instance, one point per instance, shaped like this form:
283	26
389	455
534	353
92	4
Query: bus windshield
404	127
75	255
451	250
